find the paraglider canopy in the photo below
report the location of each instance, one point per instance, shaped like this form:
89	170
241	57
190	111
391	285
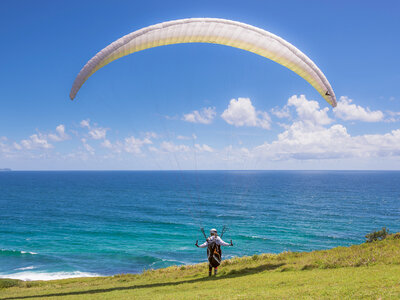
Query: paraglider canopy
215	31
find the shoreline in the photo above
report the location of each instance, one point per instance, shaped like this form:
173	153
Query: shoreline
64	275
368	270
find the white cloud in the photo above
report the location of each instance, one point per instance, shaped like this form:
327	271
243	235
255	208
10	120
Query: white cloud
134	145
203	148
107	144
304	142
308	138
347	111
204	116
241	112
87	147
153	149
36	141
4	148
130	144
40	140
182	137
309	111
17	146
281	112
60	134
393	116
98	133
185	138
85	123
95	132
151	135
171	147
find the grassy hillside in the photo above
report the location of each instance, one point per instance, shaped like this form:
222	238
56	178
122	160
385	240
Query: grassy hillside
370	270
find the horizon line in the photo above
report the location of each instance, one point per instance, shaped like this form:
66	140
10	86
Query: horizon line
191	170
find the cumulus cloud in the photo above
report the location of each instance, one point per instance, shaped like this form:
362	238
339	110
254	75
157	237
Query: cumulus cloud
171	147
309	111
95	132
281	112
393	116
85	123
107	144
35	141
241	112
41	141
151	135
130	145
17	146
309	138
98	133
134	145
204	116
87	147
4	147
303	142
185	138
347	111
182	137
60	134
203	148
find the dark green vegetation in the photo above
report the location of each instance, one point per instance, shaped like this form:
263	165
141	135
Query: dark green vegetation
377	235
370	270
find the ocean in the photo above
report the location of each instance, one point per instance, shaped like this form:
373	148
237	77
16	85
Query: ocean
61	224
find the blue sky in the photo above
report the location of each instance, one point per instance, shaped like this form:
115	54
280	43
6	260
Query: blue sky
167	107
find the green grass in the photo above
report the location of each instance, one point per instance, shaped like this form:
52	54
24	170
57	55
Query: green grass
367	271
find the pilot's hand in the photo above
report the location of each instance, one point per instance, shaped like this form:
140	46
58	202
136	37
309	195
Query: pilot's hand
197	244
231	243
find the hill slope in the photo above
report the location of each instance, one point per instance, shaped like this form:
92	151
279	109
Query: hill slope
370	270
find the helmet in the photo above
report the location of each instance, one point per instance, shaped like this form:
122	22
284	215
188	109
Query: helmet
213	231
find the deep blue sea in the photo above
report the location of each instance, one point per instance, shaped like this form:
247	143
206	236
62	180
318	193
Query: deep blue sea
84	223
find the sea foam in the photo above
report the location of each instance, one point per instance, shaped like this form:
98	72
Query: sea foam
15	252
30	276
26	268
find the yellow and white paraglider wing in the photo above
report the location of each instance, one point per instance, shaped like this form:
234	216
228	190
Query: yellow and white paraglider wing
216	31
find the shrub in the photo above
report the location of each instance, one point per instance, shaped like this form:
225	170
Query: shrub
6	283
396	236
377	235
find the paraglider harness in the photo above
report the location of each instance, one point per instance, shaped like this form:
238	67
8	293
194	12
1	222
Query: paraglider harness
214	252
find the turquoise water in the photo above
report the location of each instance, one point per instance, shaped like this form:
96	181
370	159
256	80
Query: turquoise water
66	224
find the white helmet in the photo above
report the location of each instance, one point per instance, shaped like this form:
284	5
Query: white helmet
213	231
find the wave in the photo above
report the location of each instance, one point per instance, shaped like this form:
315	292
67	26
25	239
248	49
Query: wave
25	268
7	252
168	262
254	237
184	248
29	276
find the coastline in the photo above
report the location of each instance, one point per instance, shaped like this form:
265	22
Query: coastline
364	270
29	275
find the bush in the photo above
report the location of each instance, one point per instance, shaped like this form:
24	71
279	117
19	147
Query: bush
396	236
255	257
6	283
377	235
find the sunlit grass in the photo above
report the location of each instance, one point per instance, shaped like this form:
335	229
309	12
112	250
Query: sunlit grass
369	270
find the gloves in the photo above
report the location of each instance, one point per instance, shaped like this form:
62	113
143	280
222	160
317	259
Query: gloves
231	243
197	244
